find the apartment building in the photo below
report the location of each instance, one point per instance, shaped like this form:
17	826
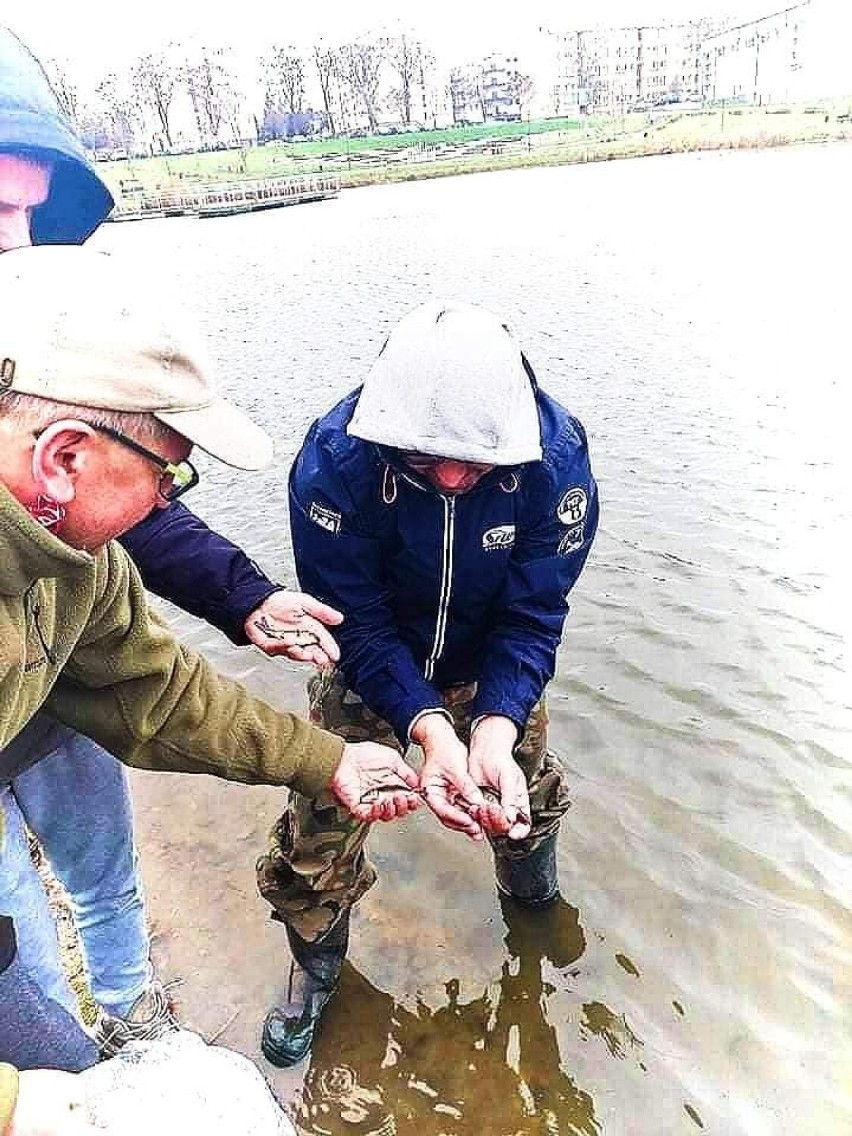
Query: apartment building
501	81
612	70
776	58
668	63
758	62
489	91
465	95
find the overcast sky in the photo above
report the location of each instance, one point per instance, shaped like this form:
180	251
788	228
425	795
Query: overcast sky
90	38
97	35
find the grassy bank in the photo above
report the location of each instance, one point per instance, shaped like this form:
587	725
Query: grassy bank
437	153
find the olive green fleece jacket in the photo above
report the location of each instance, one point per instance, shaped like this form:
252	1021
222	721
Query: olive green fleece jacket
77	639
8	1095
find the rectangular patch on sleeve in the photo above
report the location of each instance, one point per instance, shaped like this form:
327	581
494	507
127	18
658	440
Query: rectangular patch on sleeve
326	518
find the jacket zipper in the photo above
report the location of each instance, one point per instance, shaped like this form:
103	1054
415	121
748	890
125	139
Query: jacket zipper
35	612
446	586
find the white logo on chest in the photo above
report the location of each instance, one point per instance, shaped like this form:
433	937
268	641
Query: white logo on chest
502	536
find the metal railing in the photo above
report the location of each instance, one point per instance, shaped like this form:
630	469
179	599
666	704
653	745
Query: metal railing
205	198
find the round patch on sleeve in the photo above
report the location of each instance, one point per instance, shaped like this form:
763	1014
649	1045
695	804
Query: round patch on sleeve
572	540
572	509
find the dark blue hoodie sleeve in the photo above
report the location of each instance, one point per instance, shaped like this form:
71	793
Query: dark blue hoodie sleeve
35	1031
550	552
340	561
183	560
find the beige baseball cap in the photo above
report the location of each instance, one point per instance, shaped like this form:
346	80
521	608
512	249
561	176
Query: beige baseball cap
95	330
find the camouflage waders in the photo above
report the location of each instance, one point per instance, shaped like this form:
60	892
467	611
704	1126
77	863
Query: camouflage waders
316	866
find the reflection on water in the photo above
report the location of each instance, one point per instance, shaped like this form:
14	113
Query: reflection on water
485	1064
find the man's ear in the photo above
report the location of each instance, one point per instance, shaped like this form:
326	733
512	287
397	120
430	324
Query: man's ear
60	455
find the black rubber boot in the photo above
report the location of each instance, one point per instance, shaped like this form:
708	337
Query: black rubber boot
288	1031
531	879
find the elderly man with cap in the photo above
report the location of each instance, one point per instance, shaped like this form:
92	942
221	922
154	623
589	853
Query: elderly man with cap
50	193
447	508
103	392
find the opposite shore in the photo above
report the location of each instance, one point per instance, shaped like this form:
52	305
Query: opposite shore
360	161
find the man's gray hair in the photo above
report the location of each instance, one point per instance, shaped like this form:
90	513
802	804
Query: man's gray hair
28	412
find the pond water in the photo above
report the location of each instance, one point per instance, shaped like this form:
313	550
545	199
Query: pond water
698	976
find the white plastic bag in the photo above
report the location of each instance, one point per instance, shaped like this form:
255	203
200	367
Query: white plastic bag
180	1085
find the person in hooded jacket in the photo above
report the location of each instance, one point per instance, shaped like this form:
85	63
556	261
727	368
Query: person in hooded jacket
64	787
447	509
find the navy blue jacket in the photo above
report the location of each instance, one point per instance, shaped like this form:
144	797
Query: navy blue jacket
182	560
440	590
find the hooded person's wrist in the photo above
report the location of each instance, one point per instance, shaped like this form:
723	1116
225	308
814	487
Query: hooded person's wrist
425	723
430	725
494	728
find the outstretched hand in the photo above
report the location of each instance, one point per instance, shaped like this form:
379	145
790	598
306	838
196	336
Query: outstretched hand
445	783
374	783
294	624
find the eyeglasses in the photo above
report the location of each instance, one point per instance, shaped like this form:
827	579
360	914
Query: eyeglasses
423	463
175	479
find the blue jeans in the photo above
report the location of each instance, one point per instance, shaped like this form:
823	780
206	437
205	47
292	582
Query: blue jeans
75	798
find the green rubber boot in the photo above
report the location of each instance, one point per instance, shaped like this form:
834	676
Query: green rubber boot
288	1031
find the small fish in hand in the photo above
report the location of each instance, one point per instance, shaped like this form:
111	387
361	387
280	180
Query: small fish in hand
292	636
373	795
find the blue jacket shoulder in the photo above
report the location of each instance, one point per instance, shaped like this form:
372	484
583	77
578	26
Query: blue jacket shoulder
334	461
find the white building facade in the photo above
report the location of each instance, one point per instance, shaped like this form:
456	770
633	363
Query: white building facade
614	70
489	91
760	62
791	54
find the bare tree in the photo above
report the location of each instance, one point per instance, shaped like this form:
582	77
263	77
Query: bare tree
119	111
428	90
361	63
212	92
326	65
346	97
405	56
154	80
285	79
524	89
479	94
64	89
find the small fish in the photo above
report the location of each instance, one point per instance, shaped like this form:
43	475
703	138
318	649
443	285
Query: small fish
293	636
460	802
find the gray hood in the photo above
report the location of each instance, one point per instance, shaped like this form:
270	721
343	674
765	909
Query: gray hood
451	381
